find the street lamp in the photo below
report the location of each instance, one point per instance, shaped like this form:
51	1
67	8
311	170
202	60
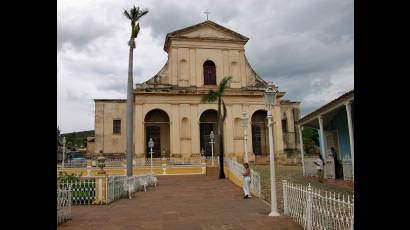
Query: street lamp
151	145
63	151
245	119
270	98
212	136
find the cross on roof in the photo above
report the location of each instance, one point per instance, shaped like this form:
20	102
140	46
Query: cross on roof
207	12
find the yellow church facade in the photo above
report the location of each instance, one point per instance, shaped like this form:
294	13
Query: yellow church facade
168	106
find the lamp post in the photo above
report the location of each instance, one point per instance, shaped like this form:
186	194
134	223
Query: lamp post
270	98
151	145
245	119
63	151
212	136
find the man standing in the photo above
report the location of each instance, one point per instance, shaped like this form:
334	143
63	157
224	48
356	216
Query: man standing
334	155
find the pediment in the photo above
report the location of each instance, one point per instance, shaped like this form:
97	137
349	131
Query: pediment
207	31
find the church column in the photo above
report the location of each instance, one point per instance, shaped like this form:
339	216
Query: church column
175	137
195	148
277	130
322	137
302	153
351	139
228	132
139	130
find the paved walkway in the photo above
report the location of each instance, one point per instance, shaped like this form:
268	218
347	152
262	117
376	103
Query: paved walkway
181	202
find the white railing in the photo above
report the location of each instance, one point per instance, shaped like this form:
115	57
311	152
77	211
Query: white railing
255	183
314	209
181	161
310	167
347	169
63	204
83	191
237	170
114	163
75	164
121	186
155	162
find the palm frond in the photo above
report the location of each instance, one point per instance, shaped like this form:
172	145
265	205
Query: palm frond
223	84
135	13
210	96
127	15
142	13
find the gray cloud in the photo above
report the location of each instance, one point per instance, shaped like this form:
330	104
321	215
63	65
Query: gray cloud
169	16
80	32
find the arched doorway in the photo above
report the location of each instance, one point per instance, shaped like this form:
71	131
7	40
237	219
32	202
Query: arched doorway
260	135
209	73
156	125
207	123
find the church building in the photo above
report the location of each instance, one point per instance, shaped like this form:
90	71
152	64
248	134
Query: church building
168	106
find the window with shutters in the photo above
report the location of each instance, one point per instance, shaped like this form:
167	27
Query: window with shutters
209	73
284	126
116	127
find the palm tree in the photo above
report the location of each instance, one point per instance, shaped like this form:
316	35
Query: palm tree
134	14
212	96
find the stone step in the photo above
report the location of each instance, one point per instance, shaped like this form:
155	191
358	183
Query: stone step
212	171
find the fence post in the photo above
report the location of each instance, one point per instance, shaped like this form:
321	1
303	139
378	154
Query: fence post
352	223
101	189
285	197
309	208
69	202
259	185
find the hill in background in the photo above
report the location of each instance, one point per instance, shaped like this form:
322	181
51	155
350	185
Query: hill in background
77	139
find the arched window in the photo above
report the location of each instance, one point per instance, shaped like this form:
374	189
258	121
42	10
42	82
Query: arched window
209	73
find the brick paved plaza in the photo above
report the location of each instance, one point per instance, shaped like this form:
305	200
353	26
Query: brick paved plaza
181	202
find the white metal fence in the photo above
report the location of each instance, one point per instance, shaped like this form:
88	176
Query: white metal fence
120	162
63	204
83	191
347	169
314	209
181	161
237	170
168	161
120	186
115	163
310	167
75	164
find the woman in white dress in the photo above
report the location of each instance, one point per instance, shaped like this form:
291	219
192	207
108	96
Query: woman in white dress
246	181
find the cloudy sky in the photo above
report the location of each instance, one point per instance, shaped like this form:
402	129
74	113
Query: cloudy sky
303	46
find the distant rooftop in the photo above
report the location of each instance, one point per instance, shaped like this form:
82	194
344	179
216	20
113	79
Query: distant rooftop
111	100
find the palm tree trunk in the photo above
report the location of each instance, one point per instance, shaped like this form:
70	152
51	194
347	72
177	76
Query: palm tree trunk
130	109
221	142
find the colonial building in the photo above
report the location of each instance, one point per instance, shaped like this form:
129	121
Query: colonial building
168	106
335	123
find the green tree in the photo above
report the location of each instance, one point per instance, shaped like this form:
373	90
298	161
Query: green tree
134	14
310	140
213	96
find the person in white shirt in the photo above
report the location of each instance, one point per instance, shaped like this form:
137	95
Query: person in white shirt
319	167
246	181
